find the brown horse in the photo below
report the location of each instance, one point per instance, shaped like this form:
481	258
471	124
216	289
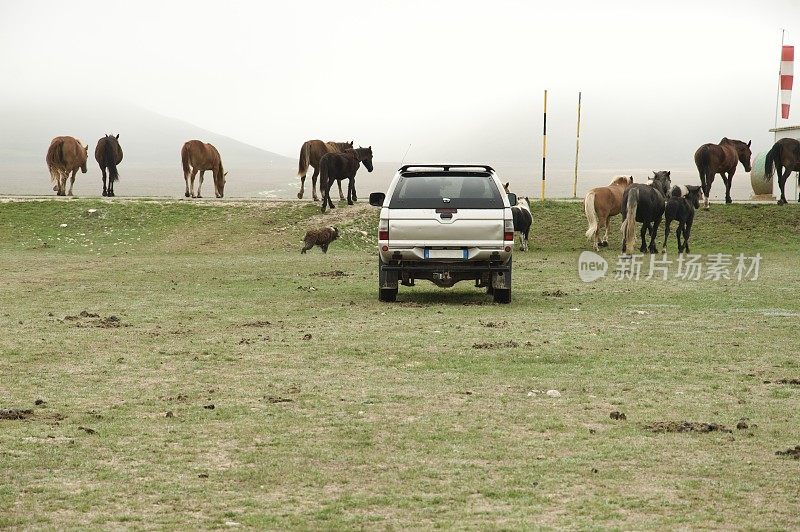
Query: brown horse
64	157
339	166
785	155
201	156
108	154
310	154
600	204
722	158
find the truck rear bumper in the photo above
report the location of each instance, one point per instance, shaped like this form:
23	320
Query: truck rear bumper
446	274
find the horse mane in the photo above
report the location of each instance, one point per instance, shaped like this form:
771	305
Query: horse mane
620	180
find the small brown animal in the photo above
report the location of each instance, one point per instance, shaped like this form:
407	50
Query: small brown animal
321	237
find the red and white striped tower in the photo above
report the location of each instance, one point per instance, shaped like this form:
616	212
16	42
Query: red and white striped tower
787	78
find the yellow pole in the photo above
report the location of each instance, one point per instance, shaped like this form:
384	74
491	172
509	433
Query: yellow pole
544	143
577	149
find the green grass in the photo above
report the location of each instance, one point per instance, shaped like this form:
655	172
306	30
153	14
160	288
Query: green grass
393	418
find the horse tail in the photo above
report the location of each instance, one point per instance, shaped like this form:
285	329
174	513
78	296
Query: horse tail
55	157
591	214
111	160
185	159
773	156
302	165
701	160
628	227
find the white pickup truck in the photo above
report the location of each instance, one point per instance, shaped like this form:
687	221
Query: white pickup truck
445	223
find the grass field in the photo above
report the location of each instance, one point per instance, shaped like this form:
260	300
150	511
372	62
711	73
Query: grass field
332	410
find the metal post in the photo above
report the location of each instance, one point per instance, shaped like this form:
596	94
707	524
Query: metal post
544	143
577	149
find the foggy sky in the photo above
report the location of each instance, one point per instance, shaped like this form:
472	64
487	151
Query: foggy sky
453	79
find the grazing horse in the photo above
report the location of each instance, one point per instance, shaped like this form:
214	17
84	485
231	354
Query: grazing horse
645	204
722	158
201	157
785	156
108	154
339	166
523	219
64	157
310	154
681	206
600	204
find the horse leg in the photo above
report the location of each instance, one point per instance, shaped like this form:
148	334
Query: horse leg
302	186
314	185
782	178
200	183
103	170
667	223
328	195
186	178
341	196
525	240
191	186
607	223
707	188
643	247
687	231
728	180
653	234
350	191
72	181
678	233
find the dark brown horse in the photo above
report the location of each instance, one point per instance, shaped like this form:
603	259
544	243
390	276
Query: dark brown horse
64	157
339	166
310	154
785	155
201	156
722	158
108	154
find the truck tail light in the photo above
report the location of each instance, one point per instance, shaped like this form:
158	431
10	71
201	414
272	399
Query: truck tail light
383	229
508	231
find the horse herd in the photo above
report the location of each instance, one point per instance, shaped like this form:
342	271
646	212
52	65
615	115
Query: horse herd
332	161
337	161
648	203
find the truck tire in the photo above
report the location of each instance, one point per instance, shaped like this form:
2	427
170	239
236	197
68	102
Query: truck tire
385	294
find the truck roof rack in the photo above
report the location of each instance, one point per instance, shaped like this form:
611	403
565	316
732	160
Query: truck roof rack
447	167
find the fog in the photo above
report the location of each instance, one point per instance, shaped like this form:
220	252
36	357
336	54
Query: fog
453	80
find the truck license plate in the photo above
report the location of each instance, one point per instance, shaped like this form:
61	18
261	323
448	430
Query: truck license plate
462	253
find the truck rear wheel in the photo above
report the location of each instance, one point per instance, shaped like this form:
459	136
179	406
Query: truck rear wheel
503	295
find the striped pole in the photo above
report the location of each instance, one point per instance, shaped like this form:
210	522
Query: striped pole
544	143
577	149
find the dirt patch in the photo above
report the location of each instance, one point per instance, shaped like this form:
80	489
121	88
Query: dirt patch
82	315
496	345
87	430
333	273
493	324
257	323
15	413
790	452
554	293
104	323
795	382
109	322
685	426
276	399
619	416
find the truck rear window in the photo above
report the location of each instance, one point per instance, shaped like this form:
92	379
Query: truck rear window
454	191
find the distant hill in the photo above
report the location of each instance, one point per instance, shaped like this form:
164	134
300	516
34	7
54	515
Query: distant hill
151	143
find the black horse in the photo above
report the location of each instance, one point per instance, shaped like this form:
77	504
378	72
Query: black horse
108	154
785	156
339	166
645	204
681	208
